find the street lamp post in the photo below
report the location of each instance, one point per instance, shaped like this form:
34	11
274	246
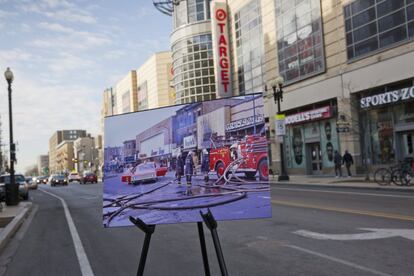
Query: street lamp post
277	86
12	189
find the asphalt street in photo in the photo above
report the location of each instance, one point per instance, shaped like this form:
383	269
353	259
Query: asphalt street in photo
313	231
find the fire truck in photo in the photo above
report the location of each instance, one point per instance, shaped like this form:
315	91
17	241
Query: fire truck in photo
252	149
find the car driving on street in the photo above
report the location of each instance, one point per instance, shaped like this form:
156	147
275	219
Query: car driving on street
89	177
58	179
74	176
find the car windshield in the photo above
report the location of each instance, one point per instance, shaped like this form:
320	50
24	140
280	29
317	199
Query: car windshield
144	167
59	177
74	174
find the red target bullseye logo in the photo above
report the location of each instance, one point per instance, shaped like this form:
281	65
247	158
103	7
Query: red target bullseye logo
221	14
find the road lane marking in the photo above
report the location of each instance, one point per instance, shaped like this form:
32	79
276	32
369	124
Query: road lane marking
373	234
342	192
344	210
84	264
333	259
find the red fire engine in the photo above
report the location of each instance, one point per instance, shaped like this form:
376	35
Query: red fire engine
252	149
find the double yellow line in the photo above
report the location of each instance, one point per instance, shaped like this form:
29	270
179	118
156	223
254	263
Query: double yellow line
344	210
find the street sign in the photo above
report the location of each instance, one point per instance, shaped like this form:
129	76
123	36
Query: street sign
280	125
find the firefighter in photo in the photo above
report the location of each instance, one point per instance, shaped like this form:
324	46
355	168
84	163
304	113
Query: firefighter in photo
234	154
189	167
179	168
205	165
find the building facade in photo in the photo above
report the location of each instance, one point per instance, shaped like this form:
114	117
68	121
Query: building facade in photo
57	138
346	69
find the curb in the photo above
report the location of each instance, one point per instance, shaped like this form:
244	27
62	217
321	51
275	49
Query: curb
11	228
334	186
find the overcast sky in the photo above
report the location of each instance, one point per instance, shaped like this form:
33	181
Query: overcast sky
64	54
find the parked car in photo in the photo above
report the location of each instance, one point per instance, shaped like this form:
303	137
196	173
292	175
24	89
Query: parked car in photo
74	176
58	179
20	180
145	172
89	177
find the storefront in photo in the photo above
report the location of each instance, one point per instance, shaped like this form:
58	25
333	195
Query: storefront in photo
387	122
311	139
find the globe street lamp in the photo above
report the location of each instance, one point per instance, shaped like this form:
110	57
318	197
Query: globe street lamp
12	189
277	86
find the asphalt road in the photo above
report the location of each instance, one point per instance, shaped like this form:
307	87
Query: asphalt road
44	245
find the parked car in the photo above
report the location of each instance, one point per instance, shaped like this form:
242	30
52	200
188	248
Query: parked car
41	179
89	177
58	179
74	176
145	172
20	180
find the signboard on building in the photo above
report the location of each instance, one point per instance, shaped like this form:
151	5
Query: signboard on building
245	122
280	124
310	115
190	142
388	97
221	47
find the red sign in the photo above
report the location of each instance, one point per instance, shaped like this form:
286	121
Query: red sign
311	115
221	48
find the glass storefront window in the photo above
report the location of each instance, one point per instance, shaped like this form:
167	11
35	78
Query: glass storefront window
299	39
371	25
248	26
296	143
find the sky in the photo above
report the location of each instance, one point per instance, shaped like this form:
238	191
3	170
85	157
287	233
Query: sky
63	54
126	127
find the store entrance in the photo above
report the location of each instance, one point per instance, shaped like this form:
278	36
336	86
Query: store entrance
315	158
406	140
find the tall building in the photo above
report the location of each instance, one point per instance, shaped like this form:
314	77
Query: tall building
65	157
126	94
346	64
56	139
43	164
154	82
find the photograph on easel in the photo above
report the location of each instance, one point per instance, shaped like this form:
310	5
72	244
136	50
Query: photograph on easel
166	165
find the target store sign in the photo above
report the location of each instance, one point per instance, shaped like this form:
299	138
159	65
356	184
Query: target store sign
221	48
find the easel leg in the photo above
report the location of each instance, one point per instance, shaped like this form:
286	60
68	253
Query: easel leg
148	230
203	248
211	223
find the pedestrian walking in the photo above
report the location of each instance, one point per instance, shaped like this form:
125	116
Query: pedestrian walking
348	161
338	164
189	167
179	168
205	165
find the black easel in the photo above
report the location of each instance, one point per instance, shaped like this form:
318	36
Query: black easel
211	224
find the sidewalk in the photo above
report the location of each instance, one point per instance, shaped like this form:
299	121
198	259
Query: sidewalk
343	182
11	218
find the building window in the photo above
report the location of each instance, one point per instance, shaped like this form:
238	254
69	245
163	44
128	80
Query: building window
300	39
372	25
193	68
142	96
249	44
191	11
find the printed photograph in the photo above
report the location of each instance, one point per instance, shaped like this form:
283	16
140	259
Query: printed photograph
166	165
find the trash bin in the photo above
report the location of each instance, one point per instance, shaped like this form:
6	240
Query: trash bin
12	194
